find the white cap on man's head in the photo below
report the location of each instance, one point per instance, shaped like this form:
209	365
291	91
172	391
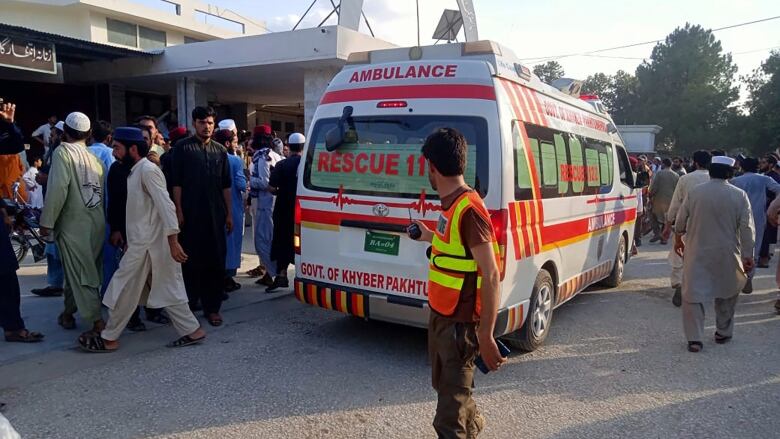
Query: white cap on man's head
60	126
228	124
78	121
723	160
296	138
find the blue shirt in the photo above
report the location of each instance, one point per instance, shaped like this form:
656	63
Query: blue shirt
104	153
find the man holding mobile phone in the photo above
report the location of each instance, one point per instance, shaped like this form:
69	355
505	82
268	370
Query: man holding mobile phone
463	287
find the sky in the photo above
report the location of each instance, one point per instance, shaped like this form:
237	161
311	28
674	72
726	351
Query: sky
555	27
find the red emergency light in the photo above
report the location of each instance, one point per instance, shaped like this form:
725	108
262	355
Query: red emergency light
391	104
590	97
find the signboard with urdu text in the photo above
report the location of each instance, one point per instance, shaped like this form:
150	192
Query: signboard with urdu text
27	55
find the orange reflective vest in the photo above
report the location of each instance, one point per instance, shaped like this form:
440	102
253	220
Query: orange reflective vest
449	261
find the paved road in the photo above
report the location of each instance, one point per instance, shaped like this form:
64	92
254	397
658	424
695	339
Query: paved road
615	365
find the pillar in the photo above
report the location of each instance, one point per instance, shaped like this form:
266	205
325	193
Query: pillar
117	105
190	93
315	81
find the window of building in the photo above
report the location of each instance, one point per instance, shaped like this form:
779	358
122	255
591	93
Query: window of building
150	39
276	125
121	32
132	35
289	127
566	165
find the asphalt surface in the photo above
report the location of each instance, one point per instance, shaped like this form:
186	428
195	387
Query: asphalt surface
615	365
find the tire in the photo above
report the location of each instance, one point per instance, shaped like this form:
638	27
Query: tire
618	268
19	247
537	324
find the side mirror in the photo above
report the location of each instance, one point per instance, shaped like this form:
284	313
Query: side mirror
340	134
642	180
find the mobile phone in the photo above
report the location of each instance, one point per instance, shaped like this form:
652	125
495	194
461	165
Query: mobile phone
413	230
502	349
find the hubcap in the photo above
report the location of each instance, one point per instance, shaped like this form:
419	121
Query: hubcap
619	262
542	311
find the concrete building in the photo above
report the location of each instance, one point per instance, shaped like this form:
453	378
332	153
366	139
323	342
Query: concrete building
135	24
118	59
640	139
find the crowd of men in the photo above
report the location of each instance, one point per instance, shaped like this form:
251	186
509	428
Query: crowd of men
134	218
724	214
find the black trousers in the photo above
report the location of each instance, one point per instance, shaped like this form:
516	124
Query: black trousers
204	284
10	301
770	237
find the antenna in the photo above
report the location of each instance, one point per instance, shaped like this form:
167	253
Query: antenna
418	22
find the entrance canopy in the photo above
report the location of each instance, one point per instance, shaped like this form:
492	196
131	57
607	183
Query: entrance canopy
272	69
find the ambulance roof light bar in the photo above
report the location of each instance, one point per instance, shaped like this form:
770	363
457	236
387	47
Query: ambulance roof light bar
590	97
482	47
359	58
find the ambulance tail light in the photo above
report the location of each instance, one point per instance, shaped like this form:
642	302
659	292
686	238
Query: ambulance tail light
297	238
392	104
499	219
483	47
589	97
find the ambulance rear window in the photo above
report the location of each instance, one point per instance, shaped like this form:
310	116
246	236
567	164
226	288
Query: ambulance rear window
387	160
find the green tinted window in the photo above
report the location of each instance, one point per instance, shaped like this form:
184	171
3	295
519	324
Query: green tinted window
605	169
563	163
592	167
534	147
549	164
577	173
522	171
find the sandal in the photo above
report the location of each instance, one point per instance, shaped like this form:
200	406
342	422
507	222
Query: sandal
23	336
695	346
721	339
214	319
158	318
94	344
256	272
185	341
66	321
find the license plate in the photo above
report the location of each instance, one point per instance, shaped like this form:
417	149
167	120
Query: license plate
383	243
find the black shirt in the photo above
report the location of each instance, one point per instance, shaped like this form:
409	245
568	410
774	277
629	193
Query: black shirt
203	173
117	198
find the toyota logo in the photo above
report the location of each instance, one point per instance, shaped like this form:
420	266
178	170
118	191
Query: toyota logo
381	210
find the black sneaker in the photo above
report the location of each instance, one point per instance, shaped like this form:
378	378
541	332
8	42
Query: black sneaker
49	291
748	287
655	239
136	325
279	282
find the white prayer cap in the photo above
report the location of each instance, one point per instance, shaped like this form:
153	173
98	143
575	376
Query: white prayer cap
296	138
60	126
78	121
228	124
723	160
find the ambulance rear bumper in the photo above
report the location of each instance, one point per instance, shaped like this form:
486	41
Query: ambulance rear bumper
365	304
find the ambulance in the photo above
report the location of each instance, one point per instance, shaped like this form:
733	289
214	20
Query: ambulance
549	165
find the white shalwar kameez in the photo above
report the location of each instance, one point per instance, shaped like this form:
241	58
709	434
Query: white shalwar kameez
151	218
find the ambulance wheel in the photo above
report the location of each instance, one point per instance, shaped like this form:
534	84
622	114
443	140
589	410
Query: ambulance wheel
618	268
540	313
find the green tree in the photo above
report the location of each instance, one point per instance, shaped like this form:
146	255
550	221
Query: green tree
549	71
617	92
598	84
686	87
763	103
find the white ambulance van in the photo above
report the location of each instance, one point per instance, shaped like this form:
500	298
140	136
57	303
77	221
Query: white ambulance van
550	167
